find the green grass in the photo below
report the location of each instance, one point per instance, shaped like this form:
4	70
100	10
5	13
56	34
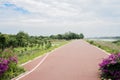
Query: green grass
35	52
108	46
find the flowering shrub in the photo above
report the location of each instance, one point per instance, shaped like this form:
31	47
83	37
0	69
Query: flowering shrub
8	65
3	65
6	58
110	67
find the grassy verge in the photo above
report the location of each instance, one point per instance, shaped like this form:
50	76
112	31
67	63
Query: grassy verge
31	54
108	46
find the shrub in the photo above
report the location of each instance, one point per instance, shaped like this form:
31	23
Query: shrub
8	65
116	42
3	66
91	42
110	67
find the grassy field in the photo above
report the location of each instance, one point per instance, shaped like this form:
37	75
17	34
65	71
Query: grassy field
109	46
26	53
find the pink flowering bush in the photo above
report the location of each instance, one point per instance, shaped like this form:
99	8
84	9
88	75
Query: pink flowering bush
8	65
110	67
3	65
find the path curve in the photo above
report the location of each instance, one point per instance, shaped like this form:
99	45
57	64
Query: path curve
77	60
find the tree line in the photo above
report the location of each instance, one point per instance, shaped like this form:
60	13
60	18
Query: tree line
22	39
68	36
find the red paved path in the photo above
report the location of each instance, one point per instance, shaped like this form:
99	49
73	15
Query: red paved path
75	61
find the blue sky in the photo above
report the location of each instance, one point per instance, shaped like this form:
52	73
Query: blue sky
46	17
14	7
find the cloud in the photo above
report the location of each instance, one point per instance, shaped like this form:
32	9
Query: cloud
63	15
51	9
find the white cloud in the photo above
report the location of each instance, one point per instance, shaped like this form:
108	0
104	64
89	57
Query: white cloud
60	13
53	9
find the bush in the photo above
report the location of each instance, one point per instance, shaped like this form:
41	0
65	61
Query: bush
8	65
116	42
91	42
3	66
110	67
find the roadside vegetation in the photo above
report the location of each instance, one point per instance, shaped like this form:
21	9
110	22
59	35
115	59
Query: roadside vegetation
9	65
20	48
108	46
110	66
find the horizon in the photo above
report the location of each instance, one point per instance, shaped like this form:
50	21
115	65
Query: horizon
90	17
61	33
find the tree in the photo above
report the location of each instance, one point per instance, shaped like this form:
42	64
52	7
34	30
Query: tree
81	36
12	42
68	36
3	41
22	39
53	37
59	36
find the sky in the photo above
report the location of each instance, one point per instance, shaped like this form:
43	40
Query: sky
93	18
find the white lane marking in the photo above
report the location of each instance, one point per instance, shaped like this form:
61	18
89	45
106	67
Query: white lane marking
33	59
26	63
34	67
